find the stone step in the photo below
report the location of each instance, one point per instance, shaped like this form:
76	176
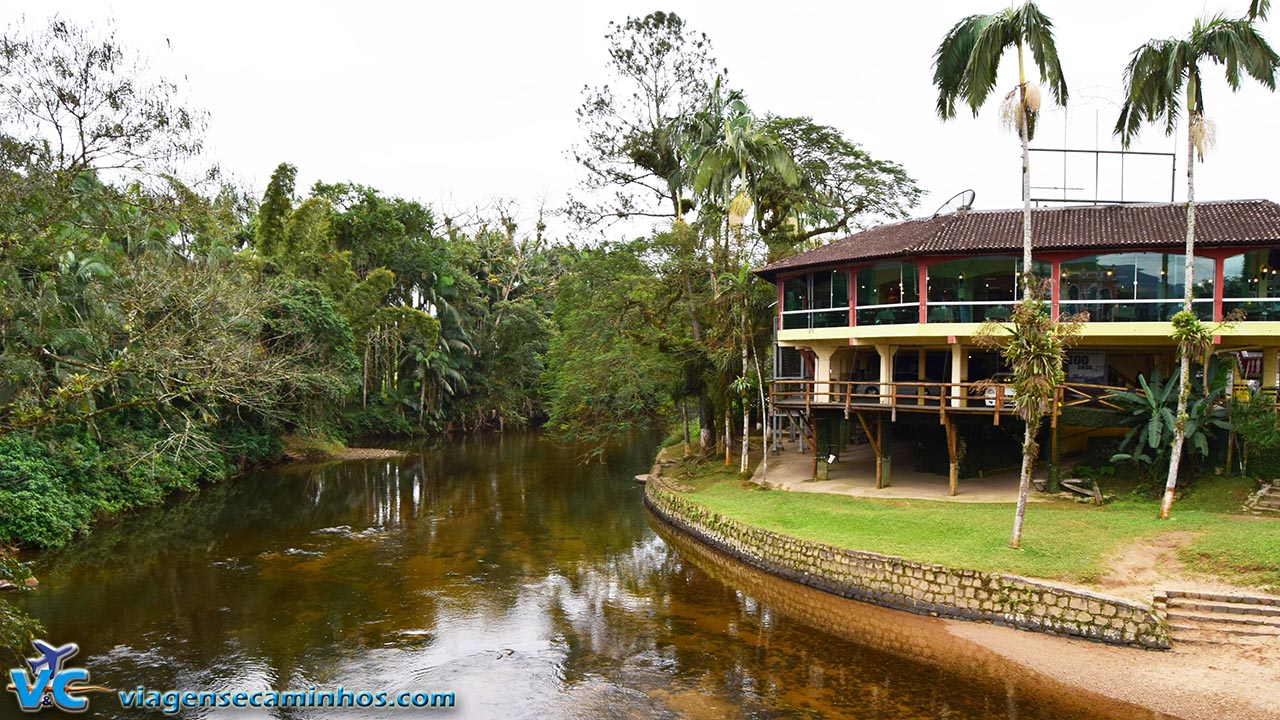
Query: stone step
1199	636
1178	630
1231	608
1222	619
1175	596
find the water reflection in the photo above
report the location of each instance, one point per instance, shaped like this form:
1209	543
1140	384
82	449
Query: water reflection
498	569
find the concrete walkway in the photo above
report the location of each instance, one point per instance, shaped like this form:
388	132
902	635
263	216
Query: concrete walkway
855	474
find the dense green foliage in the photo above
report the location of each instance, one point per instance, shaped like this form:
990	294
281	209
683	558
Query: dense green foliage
160	330
1257	425
156	334
1150	416
685	328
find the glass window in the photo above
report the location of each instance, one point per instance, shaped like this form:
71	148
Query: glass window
795	293
887	293
1251	285
819	299
1251	275
840	289
976	289
887	283
1133	287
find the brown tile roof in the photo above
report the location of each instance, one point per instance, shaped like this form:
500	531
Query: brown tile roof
1218	224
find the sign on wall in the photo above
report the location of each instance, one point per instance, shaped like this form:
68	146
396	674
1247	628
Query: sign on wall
1087	367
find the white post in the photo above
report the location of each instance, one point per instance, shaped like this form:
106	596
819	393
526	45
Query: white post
886	373
959	373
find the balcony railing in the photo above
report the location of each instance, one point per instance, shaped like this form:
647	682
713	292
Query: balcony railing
984	396
808	319
1264	309
1134	310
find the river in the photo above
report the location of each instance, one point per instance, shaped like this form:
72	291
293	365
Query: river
504	572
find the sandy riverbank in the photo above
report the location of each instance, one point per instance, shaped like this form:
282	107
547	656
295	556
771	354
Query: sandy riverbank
1192	681
368	454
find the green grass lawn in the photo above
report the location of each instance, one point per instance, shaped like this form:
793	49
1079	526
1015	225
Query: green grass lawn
1061	540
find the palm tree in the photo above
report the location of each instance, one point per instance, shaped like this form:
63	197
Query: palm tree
965	68
1154	82
731	156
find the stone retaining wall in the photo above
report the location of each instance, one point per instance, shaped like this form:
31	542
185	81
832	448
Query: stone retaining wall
921	588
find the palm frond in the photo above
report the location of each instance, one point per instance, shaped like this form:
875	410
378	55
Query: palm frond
984	62
1236	43
1153	82
1037	29
952	58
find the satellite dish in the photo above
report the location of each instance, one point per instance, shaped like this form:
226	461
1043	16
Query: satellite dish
959	202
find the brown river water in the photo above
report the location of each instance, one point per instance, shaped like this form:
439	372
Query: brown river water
501	570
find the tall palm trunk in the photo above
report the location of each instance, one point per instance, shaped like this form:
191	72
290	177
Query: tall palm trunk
1184	363
1023	135
766	415
1028	437
1024	480
746	407
728	431
704	413
684	412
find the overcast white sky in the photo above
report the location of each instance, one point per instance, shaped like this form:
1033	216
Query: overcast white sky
459	103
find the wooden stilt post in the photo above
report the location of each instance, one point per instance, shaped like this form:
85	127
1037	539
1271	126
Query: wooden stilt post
885	463
953	471
879	454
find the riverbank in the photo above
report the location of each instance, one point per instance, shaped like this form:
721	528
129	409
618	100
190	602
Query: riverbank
1191	681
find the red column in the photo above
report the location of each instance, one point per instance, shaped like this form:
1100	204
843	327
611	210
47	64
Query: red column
853	298
1056	288
1217	289
922	289
780	282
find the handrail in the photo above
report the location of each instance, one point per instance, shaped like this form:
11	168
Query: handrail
995	395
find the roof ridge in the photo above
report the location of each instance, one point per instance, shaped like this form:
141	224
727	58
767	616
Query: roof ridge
1227	223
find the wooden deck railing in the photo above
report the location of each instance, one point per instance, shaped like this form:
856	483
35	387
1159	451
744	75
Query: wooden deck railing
980	396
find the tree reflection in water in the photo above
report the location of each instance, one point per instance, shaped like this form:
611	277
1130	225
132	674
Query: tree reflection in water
499	569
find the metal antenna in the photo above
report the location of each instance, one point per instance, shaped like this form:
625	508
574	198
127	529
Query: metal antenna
966	205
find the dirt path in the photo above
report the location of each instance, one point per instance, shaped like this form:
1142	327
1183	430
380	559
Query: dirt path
1143	565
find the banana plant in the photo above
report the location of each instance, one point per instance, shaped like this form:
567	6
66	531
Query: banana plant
1152	420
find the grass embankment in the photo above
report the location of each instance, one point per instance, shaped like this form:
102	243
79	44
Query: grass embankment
1061	540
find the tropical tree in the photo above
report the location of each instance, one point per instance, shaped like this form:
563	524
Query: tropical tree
838	184
636	125
965	68
1155	80
1034	345
731	156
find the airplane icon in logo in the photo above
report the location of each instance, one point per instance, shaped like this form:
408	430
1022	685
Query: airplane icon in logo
51	657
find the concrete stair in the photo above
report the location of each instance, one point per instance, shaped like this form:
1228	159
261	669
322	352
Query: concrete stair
1268	500
1219	617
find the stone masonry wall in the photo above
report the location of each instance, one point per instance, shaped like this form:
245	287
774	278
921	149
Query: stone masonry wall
916	587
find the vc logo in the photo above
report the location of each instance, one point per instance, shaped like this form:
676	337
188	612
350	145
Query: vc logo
49	684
